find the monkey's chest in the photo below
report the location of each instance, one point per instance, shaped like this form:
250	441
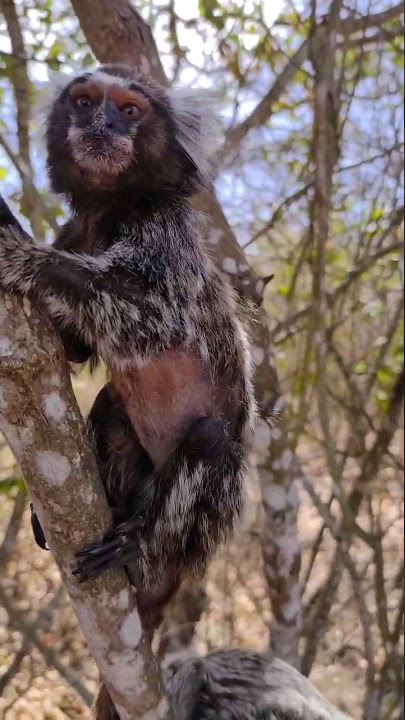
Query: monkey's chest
162	398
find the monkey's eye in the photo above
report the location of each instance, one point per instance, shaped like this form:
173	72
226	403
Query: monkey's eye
83	101
131	111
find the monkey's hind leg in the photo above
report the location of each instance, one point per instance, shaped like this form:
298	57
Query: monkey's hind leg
189	506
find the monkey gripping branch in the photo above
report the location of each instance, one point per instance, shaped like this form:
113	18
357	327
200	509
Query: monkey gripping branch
41	421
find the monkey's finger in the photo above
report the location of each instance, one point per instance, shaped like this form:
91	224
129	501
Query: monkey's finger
94	567
94	560
118	536
99	548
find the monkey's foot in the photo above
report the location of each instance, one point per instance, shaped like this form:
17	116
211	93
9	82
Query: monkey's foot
119	546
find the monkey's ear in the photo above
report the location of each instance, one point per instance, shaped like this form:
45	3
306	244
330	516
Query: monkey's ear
47	95
198	128
49	91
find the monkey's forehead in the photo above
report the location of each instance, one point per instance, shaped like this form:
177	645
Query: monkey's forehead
122	76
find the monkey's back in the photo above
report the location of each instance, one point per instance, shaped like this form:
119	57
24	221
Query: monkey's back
243	685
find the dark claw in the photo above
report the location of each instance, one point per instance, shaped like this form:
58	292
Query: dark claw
117	547
92	568
100	548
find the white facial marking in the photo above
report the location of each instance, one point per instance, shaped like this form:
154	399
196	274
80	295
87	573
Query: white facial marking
106	79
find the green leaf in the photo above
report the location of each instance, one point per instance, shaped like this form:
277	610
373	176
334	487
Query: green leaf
385	375
377	214
88	60
11	484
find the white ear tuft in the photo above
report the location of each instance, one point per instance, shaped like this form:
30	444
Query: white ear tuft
47	93
198	126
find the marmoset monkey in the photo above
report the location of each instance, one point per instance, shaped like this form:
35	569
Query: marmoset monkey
241	685
129	279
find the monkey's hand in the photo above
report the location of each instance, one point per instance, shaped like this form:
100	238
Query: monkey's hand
119	546
102	298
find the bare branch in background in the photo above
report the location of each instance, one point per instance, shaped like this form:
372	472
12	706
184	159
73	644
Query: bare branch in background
29	633
26	179
22	91
370	465
278	213
10	536
264	109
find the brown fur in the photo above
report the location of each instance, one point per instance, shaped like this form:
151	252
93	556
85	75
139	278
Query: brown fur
162	398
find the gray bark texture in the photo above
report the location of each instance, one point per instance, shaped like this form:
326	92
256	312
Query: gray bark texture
42	423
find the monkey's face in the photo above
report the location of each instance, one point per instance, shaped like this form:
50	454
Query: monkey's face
106	115
113	130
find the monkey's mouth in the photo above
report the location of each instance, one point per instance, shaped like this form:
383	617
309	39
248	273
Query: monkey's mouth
101	152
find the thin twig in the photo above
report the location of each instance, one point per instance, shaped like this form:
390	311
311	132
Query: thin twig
29	631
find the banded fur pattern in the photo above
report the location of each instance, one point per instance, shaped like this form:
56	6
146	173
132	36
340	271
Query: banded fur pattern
242	685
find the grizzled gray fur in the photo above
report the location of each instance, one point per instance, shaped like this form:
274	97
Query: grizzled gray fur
242	685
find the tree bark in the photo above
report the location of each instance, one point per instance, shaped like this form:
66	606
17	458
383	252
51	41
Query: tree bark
42	423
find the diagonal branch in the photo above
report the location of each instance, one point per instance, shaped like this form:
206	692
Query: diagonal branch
264	109
22	91
117	33
29	631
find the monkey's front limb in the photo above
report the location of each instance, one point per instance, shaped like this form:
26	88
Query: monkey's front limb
100	297
189	507
75	349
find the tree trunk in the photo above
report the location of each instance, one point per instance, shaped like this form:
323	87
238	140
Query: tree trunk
42	423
